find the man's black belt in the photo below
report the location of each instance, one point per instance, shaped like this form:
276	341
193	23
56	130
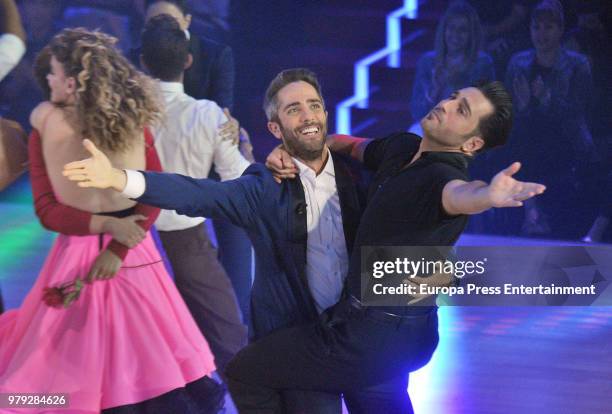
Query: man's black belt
415	312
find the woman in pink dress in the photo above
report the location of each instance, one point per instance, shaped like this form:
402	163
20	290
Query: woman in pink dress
127	343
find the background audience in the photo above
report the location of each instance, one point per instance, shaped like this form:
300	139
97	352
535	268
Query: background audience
552	88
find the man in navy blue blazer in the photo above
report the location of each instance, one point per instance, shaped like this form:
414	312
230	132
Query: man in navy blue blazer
302	229
276	216
420	196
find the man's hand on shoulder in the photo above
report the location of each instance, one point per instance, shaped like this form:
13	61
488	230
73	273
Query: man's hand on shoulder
280	163
230	130
246	147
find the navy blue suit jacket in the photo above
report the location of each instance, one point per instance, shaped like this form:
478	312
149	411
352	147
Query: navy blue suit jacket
274	217
211	75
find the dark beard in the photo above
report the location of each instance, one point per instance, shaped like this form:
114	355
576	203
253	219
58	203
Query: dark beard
302	153
298	150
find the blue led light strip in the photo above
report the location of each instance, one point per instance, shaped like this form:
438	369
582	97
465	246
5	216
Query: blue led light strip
362	68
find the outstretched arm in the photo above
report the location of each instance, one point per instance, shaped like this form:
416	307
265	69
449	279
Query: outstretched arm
236	200
353	147
461	197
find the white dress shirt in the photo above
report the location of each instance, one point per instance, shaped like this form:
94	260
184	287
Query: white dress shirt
12	50
326	254
188	143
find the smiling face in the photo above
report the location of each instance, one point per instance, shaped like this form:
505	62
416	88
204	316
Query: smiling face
62	87
453	122
301	121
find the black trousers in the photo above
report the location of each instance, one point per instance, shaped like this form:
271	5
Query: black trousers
207	291
349	351
202	396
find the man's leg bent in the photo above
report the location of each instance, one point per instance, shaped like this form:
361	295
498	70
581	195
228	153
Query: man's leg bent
311	402
389	397
344	351
292	358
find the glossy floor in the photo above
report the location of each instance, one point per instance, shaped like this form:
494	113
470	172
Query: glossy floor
490	360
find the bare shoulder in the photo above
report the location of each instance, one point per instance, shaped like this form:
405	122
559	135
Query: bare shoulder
50	121
40	113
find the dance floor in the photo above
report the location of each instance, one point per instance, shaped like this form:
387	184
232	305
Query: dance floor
490	360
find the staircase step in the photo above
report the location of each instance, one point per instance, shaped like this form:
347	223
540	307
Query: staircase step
373	123
329	39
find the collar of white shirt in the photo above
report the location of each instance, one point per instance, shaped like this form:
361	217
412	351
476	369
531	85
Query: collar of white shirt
171	87
306	171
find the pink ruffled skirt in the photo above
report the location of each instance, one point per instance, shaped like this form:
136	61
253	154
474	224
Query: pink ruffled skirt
125	340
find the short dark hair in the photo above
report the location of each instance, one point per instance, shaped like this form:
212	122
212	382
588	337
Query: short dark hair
495	128
180	4
165	47
549	9
270	103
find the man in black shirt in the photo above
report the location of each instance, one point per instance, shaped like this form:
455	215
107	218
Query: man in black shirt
420	196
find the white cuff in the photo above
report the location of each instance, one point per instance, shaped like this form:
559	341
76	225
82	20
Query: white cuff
12	50
135	184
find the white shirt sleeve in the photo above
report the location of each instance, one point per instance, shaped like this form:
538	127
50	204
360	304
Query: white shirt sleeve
228	161
12	50
135	185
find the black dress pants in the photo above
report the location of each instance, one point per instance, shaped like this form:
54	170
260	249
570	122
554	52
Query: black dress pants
208	293
358	353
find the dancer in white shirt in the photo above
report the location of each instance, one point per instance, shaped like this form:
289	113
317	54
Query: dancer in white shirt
189	142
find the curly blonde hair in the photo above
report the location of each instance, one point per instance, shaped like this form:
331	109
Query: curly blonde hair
114	101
